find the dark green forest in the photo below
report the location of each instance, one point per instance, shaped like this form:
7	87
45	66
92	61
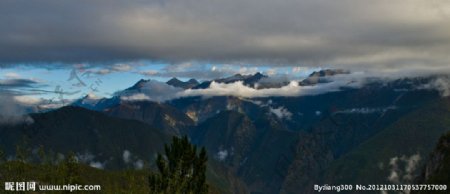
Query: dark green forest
181	169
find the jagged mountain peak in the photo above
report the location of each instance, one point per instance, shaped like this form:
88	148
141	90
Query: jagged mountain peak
259	74
91	96
233	78
249	80
328	72
322	76
174	79
139	84
175	82
193	81
240	77
93	102
87	100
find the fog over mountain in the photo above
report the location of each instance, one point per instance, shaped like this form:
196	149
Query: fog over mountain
314	84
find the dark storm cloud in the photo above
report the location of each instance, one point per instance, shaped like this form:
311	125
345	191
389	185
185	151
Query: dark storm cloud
352	34
17	83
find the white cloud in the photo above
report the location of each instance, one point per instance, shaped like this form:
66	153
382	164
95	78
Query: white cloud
292	89
248	70
222	155
281	112
187	70
271	72
121	67
393	176
135	97
200	70
159	91
365	110
441	84
405	175
129	159
13	112
49	105
98	165
103	71
126	156
149	72
28	100
411	165
139	164
12	75
299	69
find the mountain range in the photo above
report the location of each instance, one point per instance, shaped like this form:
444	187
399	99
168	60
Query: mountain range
264	144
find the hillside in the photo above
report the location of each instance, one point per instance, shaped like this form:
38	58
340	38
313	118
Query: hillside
98	141
111	181
161	116
380	159
437	167
93	135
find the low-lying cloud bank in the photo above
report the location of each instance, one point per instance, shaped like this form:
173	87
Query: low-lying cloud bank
292	89
441	84
159	91
404	169
12	111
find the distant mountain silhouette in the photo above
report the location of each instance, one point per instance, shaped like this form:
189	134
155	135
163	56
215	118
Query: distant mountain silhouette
180	84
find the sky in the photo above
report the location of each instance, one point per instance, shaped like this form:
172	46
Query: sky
78	80
111	44
392	34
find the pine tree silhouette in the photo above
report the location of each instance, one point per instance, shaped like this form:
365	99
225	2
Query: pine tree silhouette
181	169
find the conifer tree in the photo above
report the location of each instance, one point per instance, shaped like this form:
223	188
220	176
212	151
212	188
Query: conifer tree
69	170
181	169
